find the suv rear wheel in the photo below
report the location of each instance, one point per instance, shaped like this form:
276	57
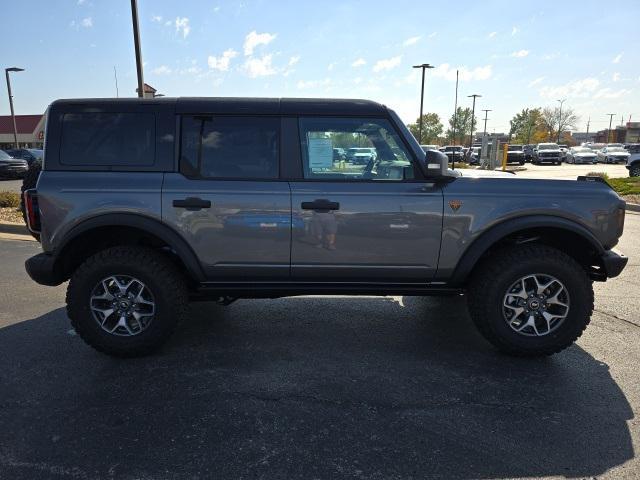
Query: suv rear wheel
126	301
530	300
634	171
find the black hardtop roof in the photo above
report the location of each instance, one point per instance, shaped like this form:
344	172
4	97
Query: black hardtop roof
242	105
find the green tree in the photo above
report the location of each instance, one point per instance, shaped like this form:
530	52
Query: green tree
527	126
460	125
431	128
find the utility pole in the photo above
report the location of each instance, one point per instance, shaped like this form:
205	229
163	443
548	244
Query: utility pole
13	115
486	112
115	76
609	131
136	42
587	135
560	118
424	66
455	111
473	115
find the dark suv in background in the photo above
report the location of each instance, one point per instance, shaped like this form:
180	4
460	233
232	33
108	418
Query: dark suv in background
145	205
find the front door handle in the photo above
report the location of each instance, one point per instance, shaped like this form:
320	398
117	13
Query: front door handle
321	205
192	203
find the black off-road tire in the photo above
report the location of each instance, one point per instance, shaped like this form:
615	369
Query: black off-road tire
28	182
634	171
162	278
493	277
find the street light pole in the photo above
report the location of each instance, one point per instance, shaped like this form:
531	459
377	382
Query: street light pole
560	118
13	115
473	115
609	132
424	66
136	42
486	112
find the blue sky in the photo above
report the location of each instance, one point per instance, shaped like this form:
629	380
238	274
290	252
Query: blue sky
515	54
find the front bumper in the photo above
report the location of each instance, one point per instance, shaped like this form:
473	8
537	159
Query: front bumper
613	263
42	269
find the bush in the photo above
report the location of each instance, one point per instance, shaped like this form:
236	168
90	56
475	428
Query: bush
625	186
598	174
9	200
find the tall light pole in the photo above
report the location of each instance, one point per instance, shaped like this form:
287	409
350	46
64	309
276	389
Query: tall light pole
473	116
136	42
13	115
455	111
424	66
609	132
560	118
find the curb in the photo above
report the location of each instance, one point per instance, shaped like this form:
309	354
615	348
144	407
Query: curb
633	207
16	228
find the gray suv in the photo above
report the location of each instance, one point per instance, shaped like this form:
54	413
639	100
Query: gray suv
145	205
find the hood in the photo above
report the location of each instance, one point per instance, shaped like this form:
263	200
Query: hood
584	154
477	173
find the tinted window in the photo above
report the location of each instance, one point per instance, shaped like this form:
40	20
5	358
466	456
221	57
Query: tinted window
108	139
230	147
374	150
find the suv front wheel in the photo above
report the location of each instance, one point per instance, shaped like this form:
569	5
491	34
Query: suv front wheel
530	300
126	301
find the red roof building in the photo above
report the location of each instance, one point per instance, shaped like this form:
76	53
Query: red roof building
30	131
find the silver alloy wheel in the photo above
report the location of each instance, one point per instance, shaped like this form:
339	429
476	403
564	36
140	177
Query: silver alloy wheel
536	305
122	305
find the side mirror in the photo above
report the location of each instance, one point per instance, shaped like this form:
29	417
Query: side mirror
434	164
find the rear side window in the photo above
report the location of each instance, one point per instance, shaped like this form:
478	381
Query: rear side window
108	139
230	147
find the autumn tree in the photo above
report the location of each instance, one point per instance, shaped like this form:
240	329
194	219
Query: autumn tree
555	121
460	125
431	128
528	126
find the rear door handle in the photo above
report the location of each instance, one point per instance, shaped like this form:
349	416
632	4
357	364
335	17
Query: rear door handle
321	205
192	203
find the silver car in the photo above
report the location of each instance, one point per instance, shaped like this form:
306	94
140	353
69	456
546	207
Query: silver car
581	155
611	154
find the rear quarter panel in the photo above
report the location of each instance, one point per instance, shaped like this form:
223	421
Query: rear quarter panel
487	202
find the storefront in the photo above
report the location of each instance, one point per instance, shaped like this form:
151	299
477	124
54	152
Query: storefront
30	131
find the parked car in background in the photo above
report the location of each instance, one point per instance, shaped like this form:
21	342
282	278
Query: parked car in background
515	154
581	155
12	167
454	153
29	154
613	154
361	156
339	154
527	151
633	163
547	153
429	147
564	149
473	158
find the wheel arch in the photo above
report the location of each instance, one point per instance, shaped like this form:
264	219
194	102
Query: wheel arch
107	230
566	235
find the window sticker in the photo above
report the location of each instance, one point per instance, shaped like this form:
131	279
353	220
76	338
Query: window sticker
320	153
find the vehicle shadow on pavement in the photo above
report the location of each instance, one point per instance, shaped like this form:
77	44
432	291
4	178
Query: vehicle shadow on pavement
306	387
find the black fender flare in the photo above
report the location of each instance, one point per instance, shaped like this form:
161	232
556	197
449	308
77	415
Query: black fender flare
140	222
487	239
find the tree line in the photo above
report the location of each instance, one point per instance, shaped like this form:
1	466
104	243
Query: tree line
531	125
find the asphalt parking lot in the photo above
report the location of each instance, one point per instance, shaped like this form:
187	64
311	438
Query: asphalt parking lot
317	387
11	185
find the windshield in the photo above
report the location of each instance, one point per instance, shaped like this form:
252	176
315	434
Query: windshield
616	149
452	149
582	150
515	148
548	146
4	155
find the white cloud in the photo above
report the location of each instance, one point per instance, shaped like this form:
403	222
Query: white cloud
156	18
253	39
583	88
536	81
331	66
222	63
359	63
387	63
259	67
520	53
617	58
411	41
293	60
81	2
432	34
611	94
168	23
514	30
182	25
448	72
87	22
615	77
162	70
306	84
492	34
